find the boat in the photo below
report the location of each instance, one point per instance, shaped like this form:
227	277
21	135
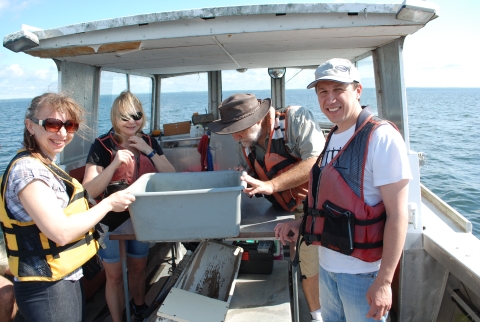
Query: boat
438	277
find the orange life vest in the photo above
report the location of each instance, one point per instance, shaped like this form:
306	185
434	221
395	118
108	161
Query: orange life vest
277	161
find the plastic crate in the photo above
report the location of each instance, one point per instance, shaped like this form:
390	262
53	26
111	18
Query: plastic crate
186	206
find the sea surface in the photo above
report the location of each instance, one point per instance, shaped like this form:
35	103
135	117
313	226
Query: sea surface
444	125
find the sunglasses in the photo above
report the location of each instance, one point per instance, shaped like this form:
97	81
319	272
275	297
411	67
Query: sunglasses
135	117
54	125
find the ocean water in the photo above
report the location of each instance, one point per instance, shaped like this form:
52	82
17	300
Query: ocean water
444	124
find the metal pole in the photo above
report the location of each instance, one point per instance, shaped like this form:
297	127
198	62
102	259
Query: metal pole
296	317
123	258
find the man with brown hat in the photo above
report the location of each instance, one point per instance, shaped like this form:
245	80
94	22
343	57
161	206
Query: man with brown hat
278	149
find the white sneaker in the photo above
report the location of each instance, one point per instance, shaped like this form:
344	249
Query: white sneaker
317	316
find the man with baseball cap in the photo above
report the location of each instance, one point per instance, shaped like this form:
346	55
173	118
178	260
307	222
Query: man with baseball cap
357	202
278	149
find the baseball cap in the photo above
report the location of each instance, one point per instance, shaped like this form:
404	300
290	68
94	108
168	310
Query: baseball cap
337	70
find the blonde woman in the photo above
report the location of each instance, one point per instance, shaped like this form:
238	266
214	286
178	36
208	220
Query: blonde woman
116	159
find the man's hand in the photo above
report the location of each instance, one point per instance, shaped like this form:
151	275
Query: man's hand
379	297
257	186
287	232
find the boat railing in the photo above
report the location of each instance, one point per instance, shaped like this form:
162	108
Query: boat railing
446	211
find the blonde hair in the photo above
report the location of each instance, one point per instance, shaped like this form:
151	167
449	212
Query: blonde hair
57	102
125	104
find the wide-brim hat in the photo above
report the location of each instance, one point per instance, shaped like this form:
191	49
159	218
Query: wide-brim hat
337	70
239	112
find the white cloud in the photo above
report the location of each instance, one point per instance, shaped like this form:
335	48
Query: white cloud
19	82
9	5
42	74
4	4
15	70
46	74
447	75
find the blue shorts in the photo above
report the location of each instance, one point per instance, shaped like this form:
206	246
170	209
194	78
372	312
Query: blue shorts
111	254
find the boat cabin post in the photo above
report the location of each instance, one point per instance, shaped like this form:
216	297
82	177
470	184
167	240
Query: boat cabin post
214	92
392	105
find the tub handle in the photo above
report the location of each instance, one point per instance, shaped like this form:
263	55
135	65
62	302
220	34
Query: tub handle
243	183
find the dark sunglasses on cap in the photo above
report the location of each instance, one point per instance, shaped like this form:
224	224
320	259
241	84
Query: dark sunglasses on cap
54	125
135	117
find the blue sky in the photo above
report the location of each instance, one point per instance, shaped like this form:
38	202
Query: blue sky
443	54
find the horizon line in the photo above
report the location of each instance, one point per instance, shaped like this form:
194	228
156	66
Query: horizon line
243	91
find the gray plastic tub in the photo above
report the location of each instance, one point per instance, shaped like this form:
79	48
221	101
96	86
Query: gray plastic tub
186	206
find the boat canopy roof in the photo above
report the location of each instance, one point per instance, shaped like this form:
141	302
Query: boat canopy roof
227	38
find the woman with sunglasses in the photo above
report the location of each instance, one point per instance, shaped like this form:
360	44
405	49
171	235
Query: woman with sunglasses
46	221
116	159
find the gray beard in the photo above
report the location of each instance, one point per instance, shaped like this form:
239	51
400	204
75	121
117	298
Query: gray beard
252	140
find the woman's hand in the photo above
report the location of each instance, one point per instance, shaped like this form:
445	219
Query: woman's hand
122	157
120	200
139	144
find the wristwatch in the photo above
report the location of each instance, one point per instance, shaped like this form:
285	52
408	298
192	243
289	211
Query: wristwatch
152	154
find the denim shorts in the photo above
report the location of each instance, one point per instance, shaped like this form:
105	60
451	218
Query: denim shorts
342	296
111	253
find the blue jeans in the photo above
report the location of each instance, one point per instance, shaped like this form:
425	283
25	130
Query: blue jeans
51	301
111	253
342	296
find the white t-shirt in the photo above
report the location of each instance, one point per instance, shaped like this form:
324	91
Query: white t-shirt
387	162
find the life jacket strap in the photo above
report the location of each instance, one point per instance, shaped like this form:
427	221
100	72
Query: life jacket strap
277	167
3	228
368	245
100	233
276	205
368	222
310	238
320	213
43	252
296	260
314	212
291	203
21	230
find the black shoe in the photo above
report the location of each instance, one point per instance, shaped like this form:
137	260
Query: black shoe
138	311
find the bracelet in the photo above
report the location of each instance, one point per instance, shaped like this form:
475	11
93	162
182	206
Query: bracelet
151	154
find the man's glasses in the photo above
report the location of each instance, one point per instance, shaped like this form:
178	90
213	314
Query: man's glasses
135	117
54	125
